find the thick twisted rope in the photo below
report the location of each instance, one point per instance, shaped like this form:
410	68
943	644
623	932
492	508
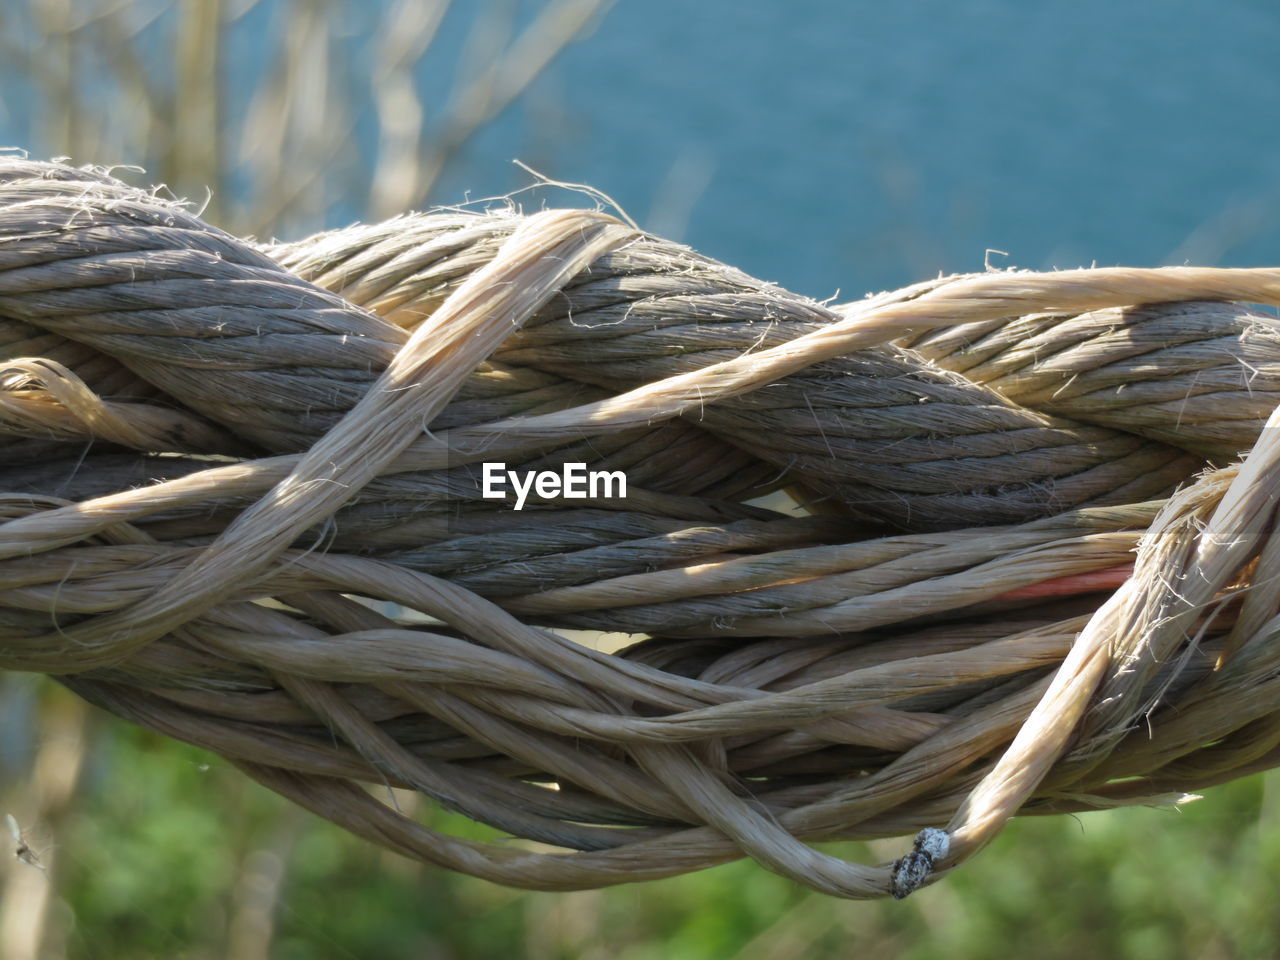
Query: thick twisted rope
212	448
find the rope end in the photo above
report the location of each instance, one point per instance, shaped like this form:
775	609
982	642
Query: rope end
910	872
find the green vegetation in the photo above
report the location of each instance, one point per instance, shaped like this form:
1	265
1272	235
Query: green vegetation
169	852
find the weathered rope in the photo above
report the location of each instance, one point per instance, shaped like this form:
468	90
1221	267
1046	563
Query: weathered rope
214	449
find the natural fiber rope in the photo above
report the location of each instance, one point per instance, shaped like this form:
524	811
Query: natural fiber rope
213	449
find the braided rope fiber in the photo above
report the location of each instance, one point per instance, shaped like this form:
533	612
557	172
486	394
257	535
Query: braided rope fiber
1028	572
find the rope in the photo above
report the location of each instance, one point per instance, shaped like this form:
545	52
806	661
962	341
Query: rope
212	449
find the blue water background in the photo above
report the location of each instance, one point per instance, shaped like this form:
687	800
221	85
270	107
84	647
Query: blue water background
855	146
844	145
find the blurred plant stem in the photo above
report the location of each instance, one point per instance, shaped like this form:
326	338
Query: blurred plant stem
273	145
196	121
496	75
260	878
40	804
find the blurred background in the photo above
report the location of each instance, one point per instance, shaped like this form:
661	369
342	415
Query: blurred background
833	146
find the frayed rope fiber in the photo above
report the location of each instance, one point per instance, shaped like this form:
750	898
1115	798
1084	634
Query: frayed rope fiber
244	505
